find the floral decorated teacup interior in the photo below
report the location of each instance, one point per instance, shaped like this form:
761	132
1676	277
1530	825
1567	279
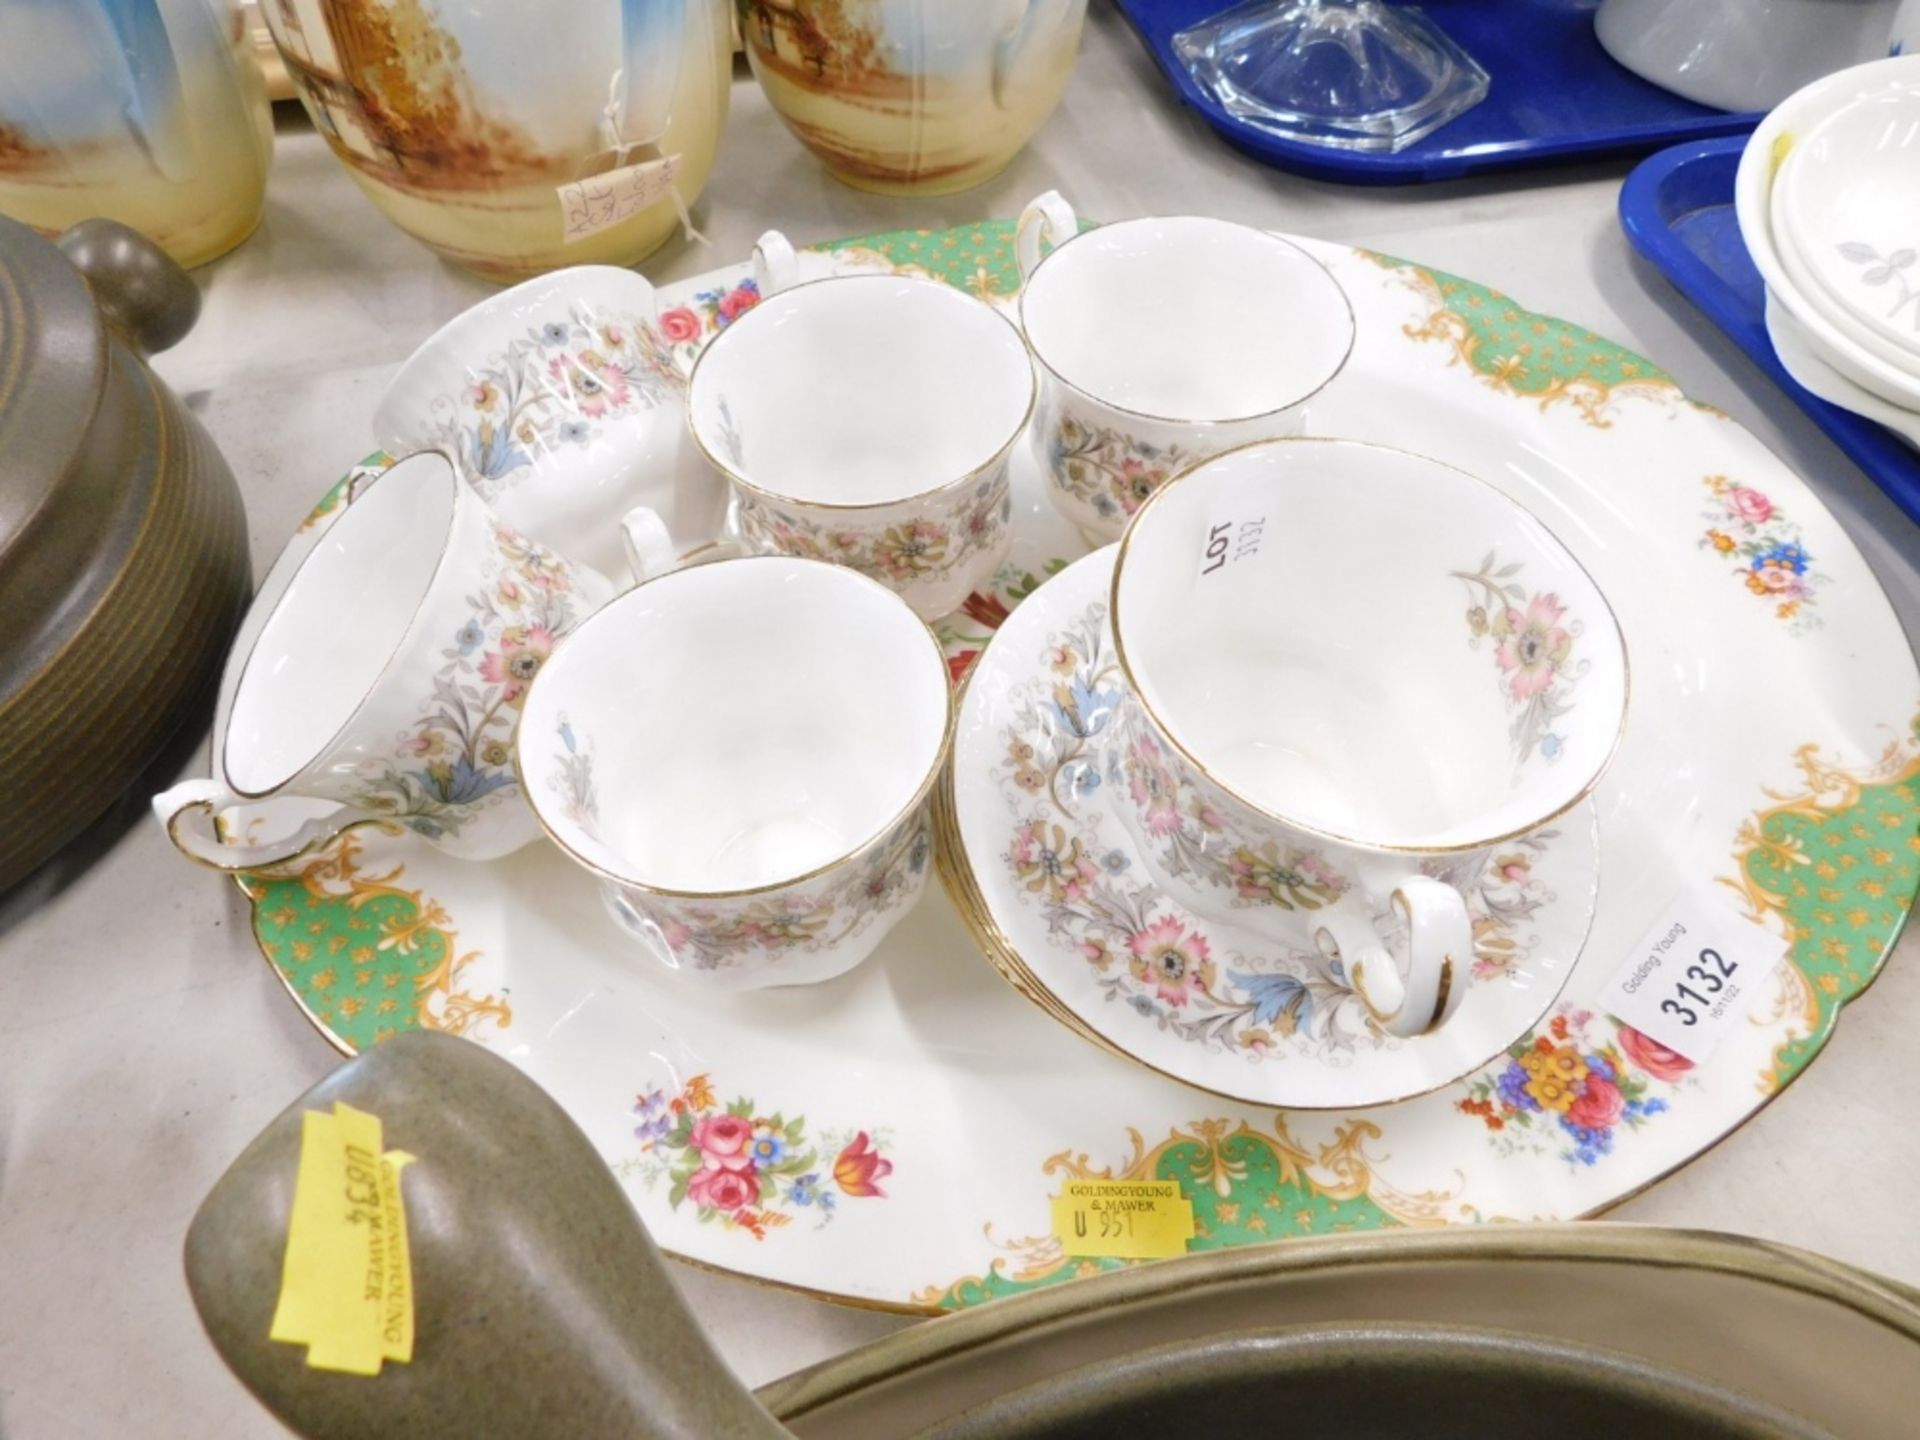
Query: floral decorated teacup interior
387	681
1369	645
735	727
320	655
861	391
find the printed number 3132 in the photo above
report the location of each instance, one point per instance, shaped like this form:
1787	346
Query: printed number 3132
1710	974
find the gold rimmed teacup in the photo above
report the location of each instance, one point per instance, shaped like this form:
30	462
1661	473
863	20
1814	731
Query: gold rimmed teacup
742	753
1163	341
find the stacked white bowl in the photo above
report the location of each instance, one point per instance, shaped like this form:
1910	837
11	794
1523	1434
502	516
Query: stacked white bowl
1828	198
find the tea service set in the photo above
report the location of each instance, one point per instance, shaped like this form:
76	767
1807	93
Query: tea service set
753	744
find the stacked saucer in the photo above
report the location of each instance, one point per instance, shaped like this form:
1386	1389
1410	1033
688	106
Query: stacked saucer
1828	197
1312	867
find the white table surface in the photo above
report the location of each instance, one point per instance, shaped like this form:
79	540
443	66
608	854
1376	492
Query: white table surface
143	1042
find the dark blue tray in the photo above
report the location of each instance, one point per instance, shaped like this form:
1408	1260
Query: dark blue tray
1556	96
1677	209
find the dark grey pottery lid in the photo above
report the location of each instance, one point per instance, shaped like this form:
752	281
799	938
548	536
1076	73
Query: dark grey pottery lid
52	359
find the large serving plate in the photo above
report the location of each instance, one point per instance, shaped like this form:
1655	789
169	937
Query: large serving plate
917	1115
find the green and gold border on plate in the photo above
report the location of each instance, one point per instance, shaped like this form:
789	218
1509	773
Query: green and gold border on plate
1836	860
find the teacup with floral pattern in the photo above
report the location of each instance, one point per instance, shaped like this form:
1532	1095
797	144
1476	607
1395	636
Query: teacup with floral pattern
1351	675
866	420
561	401
742	752
387	682
1163	341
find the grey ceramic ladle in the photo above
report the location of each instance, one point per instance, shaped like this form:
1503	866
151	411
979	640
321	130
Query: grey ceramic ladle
543	1309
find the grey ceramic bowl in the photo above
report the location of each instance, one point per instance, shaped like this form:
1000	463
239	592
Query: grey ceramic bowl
543	1309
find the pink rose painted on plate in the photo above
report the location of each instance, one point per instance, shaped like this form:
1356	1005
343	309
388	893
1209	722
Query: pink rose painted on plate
746	1169
679	326
1599	1106
1748	504
1567	1088
1769	556
723	1190
1653	1057
722	1141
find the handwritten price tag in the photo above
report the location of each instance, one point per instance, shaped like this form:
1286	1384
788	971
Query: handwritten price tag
1230	541
1123	1219
1694	976
589	206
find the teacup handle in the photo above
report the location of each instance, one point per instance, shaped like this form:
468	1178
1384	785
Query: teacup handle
652	553
776	265
1048	218
1439	956
186	813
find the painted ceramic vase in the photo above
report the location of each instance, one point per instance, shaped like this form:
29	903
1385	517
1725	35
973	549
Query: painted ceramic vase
149	112
913	97
507	140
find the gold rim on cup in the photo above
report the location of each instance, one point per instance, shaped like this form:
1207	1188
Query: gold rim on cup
941	751
1353	329
1456	848
774	497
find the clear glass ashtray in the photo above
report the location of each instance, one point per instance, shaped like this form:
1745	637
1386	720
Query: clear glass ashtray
1348	74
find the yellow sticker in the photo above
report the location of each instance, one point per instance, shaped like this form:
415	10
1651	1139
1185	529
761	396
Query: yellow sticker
346	1284
1123	1219
1782	143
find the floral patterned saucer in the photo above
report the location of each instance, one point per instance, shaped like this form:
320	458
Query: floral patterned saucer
1077	925
899	1133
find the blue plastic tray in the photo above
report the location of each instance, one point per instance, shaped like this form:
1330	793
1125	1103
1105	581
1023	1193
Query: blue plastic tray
1556	96
1677	209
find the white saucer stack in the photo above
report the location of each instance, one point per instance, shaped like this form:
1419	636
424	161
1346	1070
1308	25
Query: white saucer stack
1828	197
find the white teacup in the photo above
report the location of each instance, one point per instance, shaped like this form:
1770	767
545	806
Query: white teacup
388	680
1351	673
1164	341
866	420
743	752
561	402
